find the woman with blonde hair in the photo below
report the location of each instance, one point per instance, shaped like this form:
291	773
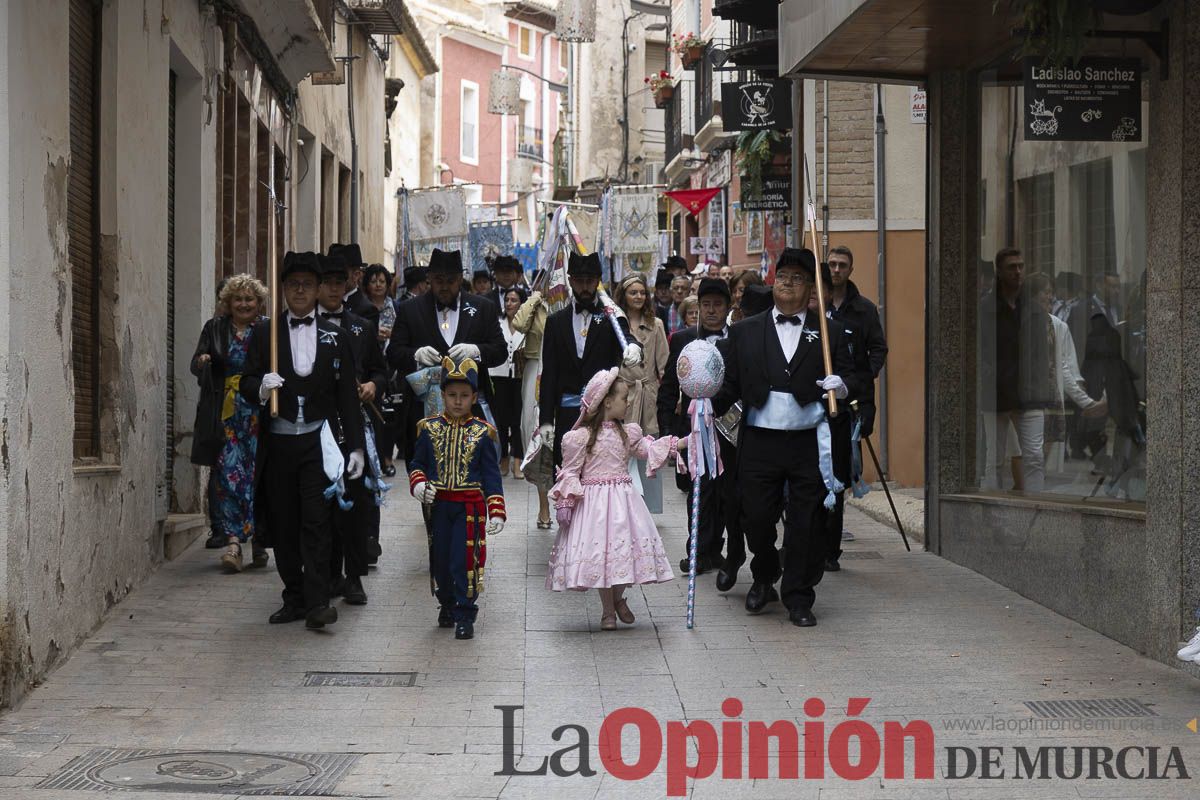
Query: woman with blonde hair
229	441
632	296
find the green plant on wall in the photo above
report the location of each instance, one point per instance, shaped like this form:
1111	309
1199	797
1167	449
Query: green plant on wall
1055	30
753	156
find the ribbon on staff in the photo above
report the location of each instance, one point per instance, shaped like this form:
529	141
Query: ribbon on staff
704	458
858	486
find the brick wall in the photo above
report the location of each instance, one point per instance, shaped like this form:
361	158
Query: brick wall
851	150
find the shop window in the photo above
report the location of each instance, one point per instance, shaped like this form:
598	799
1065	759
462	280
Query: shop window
1060	397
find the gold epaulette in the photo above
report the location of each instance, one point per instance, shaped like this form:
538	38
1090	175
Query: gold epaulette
489	427
423	424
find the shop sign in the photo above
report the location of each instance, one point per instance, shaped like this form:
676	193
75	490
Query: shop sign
776	193
757	105
919	107
1094	100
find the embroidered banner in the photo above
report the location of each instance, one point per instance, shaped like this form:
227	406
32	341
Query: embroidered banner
635	222
488	240
437	214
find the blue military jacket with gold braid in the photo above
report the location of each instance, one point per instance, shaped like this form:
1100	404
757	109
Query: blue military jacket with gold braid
459	456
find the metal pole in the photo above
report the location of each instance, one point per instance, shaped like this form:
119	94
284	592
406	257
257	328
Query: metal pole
887	491
881	245
353	140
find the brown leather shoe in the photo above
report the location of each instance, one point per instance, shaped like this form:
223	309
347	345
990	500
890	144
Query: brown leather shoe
231	559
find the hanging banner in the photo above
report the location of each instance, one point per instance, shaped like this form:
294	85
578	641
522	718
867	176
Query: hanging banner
635	222
437	214
706	246
489	240
1096	100
716	219
757	105
694	200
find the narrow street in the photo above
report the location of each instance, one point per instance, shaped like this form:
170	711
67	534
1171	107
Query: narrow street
188	663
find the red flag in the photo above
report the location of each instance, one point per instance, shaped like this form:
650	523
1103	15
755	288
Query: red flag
694	200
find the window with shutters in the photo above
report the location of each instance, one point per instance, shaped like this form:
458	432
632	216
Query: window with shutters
83	245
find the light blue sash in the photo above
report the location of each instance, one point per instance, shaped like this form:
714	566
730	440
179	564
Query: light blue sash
782	412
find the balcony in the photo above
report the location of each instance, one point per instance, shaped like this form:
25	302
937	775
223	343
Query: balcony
294	33
710	131
541	13
529	141
384	17
755	48
679	144
763	13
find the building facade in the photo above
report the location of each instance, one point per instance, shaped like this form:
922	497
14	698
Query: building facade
138	162
1084	504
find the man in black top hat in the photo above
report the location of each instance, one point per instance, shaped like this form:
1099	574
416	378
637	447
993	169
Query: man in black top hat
357	527
507	272
774	365
415	283
662	296
717	500
318	403
355	298
444	321
578	342
676	266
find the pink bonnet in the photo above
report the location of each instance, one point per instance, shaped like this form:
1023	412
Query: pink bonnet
595	392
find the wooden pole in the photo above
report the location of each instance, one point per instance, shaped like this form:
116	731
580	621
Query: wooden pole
831	398
276	302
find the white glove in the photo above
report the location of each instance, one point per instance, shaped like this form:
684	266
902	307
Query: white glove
547	434
632	356
354	465
270	382
427	356
835	383
494	526
424	492
464	351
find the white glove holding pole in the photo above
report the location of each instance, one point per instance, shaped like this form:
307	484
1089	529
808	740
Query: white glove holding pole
270	382
547	434
632	355
494	526
424	492
464	351
355	464
834	383
427	356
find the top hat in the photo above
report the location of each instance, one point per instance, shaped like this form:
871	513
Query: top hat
675	262
506	263
465	370
413	276
757	299
332	266
714	286
350	252
300	262
481	274
584	266
663	278
445	262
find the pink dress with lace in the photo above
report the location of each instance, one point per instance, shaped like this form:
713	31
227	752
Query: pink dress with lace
611	539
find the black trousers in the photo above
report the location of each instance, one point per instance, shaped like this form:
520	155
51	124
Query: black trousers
770	461
300	524
720	512
351	528
839	428
564	418
506	407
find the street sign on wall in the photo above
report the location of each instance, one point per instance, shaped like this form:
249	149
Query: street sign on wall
1095	100
757	105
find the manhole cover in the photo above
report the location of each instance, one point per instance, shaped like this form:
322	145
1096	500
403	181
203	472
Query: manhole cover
861	554
1089	709
204	772
365	680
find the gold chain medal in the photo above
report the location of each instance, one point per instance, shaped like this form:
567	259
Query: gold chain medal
446	319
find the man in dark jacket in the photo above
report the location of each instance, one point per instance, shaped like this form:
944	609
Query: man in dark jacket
774	366
356	530
717	506
847	305
356	298
578	342
443	321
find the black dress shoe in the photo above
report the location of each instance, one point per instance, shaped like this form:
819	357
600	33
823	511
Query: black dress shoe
703	564
464	630
353	592
286	614
389	471
759	595
803	617
320	617
445	619
215	541
726	578
832	565
374	551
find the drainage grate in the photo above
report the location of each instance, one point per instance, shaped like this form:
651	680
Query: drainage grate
861	554
204	772
1090	709
362	680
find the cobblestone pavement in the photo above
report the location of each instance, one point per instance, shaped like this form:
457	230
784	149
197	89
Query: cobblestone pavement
188	663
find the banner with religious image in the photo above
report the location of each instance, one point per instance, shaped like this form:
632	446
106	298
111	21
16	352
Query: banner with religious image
635	222
489	240
437	214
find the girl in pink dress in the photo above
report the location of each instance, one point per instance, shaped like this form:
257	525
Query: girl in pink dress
606	538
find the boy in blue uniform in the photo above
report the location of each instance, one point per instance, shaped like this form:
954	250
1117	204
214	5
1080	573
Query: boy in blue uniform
455	470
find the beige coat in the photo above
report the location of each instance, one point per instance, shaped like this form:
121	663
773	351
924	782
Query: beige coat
643	380
530	320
